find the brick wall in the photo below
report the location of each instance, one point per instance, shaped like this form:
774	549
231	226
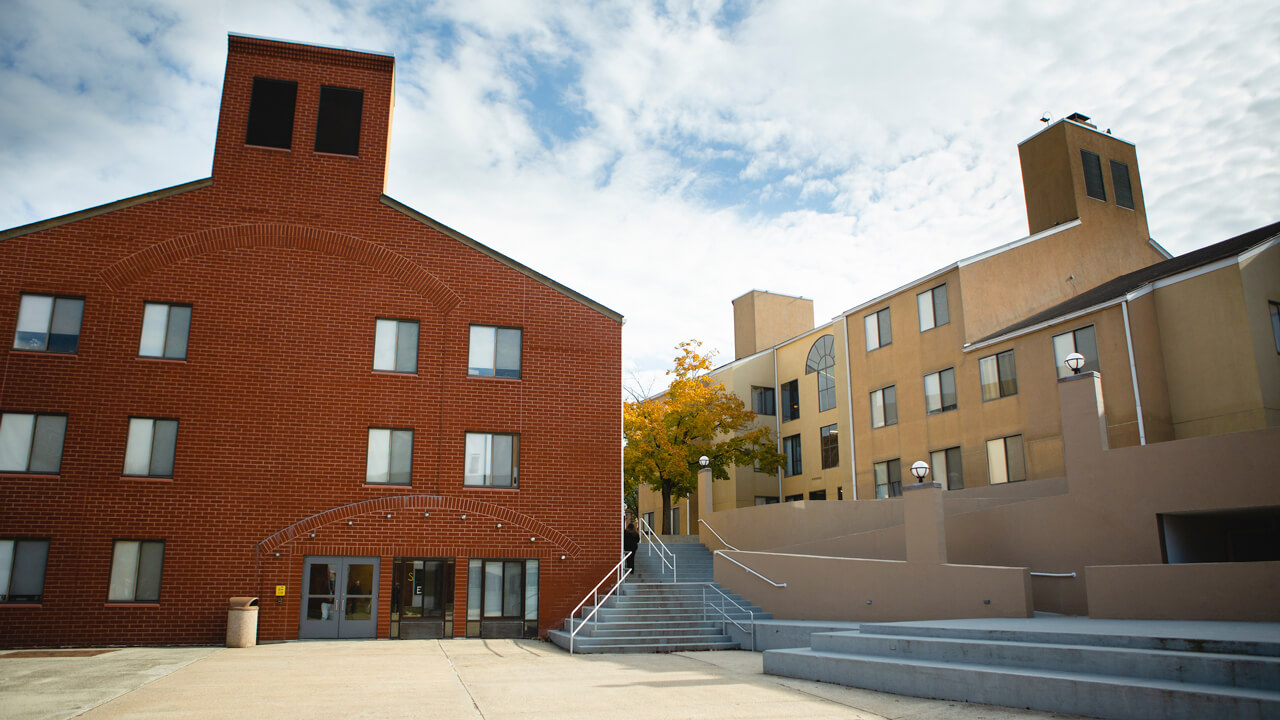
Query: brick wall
287	258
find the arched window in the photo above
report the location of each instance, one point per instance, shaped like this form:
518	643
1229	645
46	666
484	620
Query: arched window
822	360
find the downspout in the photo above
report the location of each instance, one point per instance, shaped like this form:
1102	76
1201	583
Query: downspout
1133	373
848	386
777	416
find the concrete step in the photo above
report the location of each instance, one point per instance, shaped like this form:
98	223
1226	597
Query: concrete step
600	645
642	626
657	615
1081	693
682	634
1262	673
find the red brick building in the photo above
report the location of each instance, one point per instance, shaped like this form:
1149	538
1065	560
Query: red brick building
279	382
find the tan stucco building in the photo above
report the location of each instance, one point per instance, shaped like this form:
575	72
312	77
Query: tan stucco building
958	368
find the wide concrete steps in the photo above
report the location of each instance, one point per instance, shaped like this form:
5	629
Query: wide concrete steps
1105	675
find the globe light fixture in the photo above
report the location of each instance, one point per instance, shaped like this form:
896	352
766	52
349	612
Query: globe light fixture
1075	361
920	469
704	461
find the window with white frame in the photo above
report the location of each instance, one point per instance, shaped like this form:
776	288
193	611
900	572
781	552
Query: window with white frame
31	442
884	407
493	460
395	346
822	360
878	328
164	331
999	376
888	475
940	391
22	566
494	351
1082	341
390	456
48	323
135	571
946	468
932	305
151	446
1005	460
791	448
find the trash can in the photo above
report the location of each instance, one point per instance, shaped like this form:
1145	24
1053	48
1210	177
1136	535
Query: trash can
242	622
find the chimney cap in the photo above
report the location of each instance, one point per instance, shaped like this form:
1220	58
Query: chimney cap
1081	118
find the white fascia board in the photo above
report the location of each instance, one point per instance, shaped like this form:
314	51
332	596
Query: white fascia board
1072	122
1019	243
1042	325
1160	249
881	298
1260	248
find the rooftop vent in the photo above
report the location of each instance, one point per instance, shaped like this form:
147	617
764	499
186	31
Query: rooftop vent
1082	119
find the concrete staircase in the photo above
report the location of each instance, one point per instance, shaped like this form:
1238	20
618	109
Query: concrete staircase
652	614
1111	674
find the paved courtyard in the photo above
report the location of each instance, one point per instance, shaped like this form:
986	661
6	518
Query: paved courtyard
490	679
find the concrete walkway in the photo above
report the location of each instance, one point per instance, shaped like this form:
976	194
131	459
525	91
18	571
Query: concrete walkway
490	679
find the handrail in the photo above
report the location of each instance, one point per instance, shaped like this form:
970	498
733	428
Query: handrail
713	532
724	555
1057	575
663	552
573	631
726	615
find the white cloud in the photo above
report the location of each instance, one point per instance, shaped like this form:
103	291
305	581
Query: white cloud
876	141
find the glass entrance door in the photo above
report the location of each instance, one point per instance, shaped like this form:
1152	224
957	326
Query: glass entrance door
422	598
339	597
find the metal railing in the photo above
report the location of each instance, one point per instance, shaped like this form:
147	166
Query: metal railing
727	617
1057	575
725	555
652	539
595	594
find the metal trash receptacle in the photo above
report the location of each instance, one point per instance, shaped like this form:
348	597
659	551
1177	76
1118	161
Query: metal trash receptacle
242	622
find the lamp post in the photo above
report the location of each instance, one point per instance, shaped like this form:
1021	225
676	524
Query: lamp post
920	469
704	463
1075	361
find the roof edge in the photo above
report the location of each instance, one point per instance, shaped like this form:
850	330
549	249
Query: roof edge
104	209
509	262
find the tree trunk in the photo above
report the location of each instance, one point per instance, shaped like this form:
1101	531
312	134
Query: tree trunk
666	511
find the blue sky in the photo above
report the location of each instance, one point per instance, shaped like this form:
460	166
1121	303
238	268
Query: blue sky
666	157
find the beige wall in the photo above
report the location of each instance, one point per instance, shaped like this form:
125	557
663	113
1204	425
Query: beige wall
1107	517
1260	276
1192	591
763	319
792	358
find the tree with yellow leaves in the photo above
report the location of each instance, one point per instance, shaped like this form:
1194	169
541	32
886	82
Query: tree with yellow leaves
667	433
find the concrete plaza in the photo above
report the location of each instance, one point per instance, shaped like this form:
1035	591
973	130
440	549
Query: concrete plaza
490	679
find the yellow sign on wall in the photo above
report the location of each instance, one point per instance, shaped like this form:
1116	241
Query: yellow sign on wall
280	590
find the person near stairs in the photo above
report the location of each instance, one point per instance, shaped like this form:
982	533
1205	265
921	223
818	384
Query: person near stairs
631	543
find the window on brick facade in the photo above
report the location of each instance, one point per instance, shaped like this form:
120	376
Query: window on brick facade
135	571
879	330
884	407
494	351
791	448
48	323
940	391
830	437
888	475
822	360
271	108
762	401
946	468
164	331
390	457
31	442
1083	341
502	591
999	376
493	460
395	346
338	120
932	307
790	400
1093	175
150	449
1005	460
1120	183
22	566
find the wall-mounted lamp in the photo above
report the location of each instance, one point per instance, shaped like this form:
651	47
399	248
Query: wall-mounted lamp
1075	361
426	514
464	517
277	554
388	516
351	522
313	534
499	525
561	557
532	539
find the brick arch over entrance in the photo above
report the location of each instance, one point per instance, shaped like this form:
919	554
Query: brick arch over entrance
419	503
183	247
